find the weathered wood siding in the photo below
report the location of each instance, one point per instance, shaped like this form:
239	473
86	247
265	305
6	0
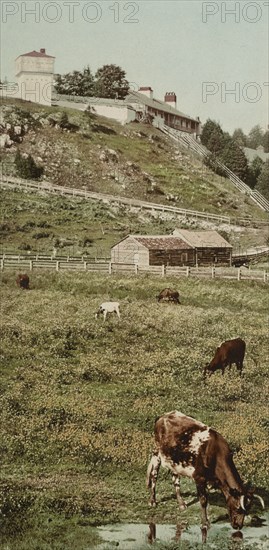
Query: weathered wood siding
172	257
214	256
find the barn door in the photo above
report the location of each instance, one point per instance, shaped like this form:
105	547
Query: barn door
136	258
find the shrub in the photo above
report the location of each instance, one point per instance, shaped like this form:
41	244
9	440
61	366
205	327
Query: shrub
27	168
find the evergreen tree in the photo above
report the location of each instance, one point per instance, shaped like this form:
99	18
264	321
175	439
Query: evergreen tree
215	142
235	159
110	82
265	141
239	137
209	127
255	137
254	172
263	179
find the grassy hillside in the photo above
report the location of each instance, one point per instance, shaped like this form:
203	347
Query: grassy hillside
37	223
133	161
79	398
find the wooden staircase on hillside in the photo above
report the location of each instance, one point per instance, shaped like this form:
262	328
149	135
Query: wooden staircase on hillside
189	142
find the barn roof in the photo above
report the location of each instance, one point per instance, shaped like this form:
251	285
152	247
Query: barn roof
161	242
202	239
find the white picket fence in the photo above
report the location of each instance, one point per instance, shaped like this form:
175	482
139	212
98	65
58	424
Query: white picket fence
20	263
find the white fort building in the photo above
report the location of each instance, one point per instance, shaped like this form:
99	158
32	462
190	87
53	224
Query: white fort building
35	80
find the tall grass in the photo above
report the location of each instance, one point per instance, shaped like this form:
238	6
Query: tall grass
79	396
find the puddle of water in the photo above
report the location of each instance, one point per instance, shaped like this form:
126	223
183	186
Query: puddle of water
132	536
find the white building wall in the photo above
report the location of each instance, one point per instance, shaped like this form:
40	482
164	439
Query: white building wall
119	113
35	87
129	251
34	78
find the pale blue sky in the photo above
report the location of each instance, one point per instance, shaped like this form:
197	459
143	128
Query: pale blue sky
175	45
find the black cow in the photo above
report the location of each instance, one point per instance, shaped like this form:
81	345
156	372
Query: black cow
189	448
229	352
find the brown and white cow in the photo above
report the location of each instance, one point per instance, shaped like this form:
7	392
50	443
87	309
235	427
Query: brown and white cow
23	281
168	295
229	352
189	448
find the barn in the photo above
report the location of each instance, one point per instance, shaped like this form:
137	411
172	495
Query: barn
189	248
145	250
210	247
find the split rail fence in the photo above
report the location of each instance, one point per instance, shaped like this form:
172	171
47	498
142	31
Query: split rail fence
39	262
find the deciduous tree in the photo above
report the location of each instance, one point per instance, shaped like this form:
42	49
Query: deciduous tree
110	82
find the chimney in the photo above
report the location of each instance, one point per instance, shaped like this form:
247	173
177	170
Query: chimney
171	99
42	50
147	91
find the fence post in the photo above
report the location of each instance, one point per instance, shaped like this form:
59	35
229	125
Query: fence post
110	268
57	265
31	265
264	275
163	270
213	272
2	264
85	266
136	269
188	271
239	274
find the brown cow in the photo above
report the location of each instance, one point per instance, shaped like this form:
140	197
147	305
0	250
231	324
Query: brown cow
231	351
23	281
168	295
189	448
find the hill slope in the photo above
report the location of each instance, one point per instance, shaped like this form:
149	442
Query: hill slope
133	161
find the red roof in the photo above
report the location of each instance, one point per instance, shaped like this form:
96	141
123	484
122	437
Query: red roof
167	242
42	53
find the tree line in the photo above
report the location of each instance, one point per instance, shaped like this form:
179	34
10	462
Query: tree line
109	82
230	151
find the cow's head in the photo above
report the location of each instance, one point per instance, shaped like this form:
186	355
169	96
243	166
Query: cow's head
239	506
208	370
98	312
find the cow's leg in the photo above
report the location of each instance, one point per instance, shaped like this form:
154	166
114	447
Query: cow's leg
118	313
105	314
239	366
152	475
181	503
202	494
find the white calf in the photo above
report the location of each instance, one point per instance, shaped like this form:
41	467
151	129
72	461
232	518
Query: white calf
108	307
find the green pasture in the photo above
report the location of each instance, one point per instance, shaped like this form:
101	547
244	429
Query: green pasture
79	398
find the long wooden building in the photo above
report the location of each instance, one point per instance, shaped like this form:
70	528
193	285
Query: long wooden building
210	247
181	248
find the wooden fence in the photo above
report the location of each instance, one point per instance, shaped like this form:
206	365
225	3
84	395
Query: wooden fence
81	264
47	187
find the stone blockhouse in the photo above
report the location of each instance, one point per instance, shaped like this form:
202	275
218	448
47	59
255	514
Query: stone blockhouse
34	73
